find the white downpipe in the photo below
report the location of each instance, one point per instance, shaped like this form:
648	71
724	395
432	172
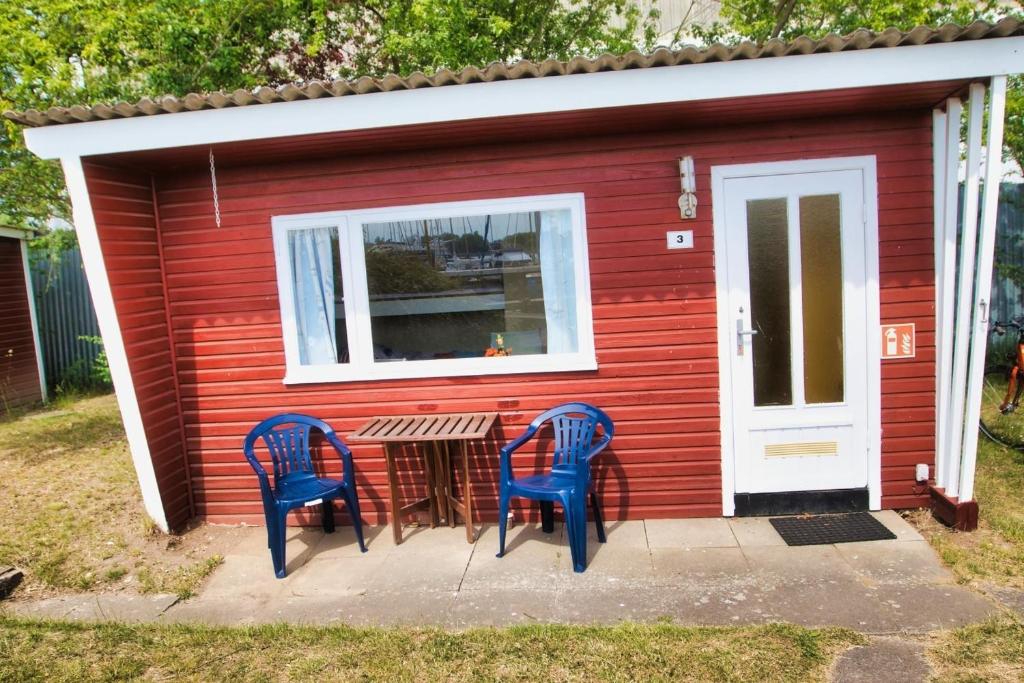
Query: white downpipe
113	343
983	288
968	245
946	199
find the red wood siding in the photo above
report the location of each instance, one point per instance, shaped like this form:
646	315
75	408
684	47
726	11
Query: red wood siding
19	370
654	311
122	203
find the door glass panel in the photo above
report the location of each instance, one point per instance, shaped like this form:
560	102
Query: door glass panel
768	257
822	284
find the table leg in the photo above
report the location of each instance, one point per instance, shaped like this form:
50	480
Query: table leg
396	521
467	495
448	482
440	480
428	470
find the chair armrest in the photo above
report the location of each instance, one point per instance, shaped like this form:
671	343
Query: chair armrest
261	474
511	447
348	474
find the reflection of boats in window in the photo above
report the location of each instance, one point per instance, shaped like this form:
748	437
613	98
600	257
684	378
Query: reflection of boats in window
458	264
506	258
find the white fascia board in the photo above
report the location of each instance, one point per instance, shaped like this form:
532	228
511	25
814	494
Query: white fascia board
113	342
34	319
657	85
16	233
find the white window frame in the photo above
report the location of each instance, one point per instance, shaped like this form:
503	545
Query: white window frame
361	365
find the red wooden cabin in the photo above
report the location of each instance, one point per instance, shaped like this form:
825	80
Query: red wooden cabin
354	249
22	380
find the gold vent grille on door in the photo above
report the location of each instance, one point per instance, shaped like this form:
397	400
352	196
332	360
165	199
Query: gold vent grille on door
805	448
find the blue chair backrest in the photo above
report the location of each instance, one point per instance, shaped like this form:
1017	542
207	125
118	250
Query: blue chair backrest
287	439
575	425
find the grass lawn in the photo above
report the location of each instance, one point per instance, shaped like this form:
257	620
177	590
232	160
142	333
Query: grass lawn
33	650
71	513
995	552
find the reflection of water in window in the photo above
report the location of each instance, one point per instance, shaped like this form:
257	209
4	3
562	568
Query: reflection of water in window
459	287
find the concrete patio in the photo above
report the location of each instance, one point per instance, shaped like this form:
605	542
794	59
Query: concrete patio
699	571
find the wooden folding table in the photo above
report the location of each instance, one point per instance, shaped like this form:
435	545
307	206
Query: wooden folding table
436	433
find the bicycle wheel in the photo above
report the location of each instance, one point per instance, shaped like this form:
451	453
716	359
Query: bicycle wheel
1003	427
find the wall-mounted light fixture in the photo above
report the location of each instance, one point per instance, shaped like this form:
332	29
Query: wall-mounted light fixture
688	186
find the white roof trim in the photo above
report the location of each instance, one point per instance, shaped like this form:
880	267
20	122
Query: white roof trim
684	83
16	233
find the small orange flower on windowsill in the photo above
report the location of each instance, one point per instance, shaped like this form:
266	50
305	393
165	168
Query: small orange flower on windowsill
499	342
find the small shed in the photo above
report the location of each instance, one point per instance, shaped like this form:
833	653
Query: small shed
22	378
746	255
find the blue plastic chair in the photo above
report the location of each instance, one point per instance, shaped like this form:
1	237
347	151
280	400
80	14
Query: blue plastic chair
568	482
295	482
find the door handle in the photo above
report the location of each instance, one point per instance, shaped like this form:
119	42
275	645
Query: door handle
740	335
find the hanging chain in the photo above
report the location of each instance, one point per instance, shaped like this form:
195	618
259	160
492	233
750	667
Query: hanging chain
213	181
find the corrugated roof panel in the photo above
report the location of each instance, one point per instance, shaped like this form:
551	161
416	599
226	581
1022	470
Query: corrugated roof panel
858	40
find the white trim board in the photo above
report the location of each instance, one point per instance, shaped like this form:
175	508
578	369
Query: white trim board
113	342
34	317
684	83
16	233
726	332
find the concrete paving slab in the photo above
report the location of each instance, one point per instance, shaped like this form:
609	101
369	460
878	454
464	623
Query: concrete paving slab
299	545
430	560
342	543
895	523
245	577
626	535
531	559
96	607
500	606
884	659
713	532
336	576
672	565
624	558
215	611
803	564
895	561
1010	598
754	531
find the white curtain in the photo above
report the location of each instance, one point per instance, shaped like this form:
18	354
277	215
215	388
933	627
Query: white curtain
558	279
313	283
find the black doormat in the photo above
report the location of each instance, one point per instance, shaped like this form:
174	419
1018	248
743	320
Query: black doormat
825	529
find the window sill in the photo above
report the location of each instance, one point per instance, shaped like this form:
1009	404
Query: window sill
321	374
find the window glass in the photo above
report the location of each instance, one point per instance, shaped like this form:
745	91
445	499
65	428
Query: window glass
768	256
476	286
822	272
319	297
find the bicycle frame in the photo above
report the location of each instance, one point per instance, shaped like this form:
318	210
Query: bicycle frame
1015	387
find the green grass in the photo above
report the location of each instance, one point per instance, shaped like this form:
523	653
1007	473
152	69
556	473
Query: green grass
70	509
995	552
59	651
990	651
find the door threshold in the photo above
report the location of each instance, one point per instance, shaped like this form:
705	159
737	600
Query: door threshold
801	502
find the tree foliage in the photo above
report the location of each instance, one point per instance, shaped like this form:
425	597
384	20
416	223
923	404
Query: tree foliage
66	52
762	20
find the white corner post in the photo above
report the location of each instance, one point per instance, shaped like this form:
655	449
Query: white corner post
113	342
964	296
983	287
946	146
34	317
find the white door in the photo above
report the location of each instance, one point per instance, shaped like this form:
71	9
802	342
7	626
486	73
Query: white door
797	319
